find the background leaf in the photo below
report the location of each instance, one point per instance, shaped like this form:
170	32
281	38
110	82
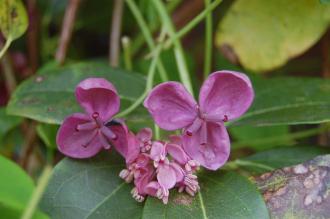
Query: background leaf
286	100
16	189
283	157
13	18
49	96
48	134
7	122
266	34
92	189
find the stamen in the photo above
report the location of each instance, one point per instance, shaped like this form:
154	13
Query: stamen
194	126
104	141
225	118
95	115
90	140
108	133
86	126
204	134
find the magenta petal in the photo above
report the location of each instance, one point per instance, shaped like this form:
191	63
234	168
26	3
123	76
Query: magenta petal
144	134
77	144
125	142
152	188
226	95
179	172
98	95
166	176
215	152
171	106
144	179
177	153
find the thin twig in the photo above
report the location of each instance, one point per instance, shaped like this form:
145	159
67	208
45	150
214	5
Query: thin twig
27	147
8	71
38	192
67	28
32	35
114	43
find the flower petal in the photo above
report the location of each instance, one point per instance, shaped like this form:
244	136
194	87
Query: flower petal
171	106
125	142
157	151
77	144
144	135
226	95
166	176
144	179
98	95
177	153
213	153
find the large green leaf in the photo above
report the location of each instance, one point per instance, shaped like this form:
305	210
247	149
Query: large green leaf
7	122
16	189
49	96
286	100
222	195
92	189
266	34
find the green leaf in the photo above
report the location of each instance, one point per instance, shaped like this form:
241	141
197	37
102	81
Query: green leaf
283	101
13	19
49	97
92	189
48	134
283	157
266	34
253	137
16	189
222	195
300	191
7	122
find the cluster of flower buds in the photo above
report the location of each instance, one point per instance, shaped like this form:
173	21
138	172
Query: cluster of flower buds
155	167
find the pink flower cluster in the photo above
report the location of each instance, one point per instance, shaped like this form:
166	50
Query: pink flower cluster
157	166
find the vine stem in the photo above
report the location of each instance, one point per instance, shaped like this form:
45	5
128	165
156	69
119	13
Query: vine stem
178	51
5	47
38	192
67	28
114	42
208	42
148	36
188	27
150	79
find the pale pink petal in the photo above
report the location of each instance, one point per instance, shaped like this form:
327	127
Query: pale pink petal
211	153
177	153
226	95
144	134
179	172
171	106
157	151
98	95
77	144
166	176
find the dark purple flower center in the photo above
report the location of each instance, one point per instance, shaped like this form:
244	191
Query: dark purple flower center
98	129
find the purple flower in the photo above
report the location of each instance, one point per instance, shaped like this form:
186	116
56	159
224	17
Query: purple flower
224	96
83	135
